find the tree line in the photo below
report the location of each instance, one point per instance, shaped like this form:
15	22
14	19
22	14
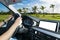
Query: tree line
34	9
25	10
6	13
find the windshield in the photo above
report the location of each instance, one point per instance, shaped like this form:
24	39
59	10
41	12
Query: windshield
43	9
5	13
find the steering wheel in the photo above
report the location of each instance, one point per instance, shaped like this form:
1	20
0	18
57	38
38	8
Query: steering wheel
26	22
9	24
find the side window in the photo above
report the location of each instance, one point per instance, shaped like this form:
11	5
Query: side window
5	13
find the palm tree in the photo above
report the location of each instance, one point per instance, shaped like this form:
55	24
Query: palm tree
52	6
24	10
34	9
42	8
20	10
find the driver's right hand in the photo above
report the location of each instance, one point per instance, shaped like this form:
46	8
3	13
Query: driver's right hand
18	21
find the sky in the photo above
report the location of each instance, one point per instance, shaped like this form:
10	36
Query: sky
3	8
39	3
30	3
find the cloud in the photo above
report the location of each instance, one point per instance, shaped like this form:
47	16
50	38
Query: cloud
51	1
30	3
47	3
20	4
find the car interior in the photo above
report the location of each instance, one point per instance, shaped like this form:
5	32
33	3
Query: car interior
32	28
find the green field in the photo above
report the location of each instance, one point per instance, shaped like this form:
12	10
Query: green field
47	16
3	17
40	16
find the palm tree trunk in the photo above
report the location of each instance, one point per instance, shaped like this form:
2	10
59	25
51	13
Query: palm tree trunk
43	13
53	13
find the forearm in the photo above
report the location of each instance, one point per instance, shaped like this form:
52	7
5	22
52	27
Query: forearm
9	33
1	24
12	29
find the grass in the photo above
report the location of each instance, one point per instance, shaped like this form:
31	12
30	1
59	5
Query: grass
40	16
3	17
47	16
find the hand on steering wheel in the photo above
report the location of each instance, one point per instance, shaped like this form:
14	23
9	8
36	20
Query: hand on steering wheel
18	21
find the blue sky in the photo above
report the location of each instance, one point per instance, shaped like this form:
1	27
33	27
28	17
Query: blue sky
30	3
3	8
27	3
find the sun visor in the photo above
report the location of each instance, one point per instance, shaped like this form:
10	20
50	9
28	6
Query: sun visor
9	2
